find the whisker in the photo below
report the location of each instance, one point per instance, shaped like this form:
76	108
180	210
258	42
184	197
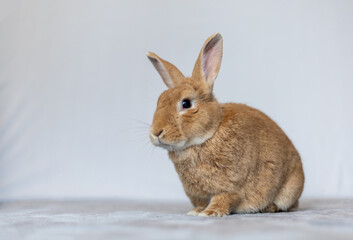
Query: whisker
142	122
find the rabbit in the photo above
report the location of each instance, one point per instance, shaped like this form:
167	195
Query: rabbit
230	158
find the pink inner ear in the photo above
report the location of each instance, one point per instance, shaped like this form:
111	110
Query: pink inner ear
164	74
211	59
162	71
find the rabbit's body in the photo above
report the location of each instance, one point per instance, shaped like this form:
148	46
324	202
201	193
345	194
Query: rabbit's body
249	157
229	157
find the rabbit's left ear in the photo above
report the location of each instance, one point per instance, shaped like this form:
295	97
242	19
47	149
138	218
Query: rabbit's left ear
209	61
170	74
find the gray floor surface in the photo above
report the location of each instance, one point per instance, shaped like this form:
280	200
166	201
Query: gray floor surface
315	219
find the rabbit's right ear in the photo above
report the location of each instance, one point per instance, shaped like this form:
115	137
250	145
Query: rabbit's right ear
170	74
209	61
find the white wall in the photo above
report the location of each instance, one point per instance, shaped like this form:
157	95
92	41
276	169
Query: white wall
76	87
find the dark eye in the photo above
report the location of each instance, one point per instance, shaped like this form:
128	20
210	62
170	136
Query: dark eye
186	103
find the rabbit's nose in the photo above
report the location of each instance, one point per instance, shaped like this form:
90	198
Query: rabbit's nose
160	133
157	133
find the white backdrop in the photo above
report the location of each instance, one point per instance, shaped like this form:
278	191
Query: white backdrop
76	89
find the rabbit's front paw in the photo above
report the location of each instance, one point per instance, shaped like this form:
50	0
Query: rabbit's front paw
213	213
196	211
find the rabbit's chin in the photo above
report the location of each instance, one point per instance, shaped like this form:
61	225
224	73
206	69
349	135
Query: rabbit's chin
171	147
181	145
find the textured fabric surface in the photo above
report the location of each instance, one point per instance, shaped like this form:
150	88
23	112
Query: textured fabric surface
315	219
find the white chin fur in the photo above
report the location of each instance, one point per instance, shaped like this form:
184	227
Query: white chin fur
185	144
171	147
198	140
182	144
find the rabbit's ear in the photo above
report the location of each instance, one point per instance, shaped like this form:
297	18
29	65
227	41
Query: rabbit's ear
170	74
209	61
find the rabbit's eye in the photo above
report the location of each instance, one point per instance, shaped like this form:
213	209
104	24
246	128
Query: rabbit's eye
186	103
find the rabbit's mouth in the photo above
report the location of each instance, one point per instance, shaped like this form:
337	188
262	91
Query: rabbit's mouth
175	146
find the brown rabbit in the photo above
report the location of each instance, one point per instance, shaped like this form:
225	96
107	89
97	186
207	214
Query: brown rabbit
231	158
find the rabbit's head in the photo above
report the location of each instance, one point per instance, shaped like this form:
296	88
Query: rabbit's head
187	113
